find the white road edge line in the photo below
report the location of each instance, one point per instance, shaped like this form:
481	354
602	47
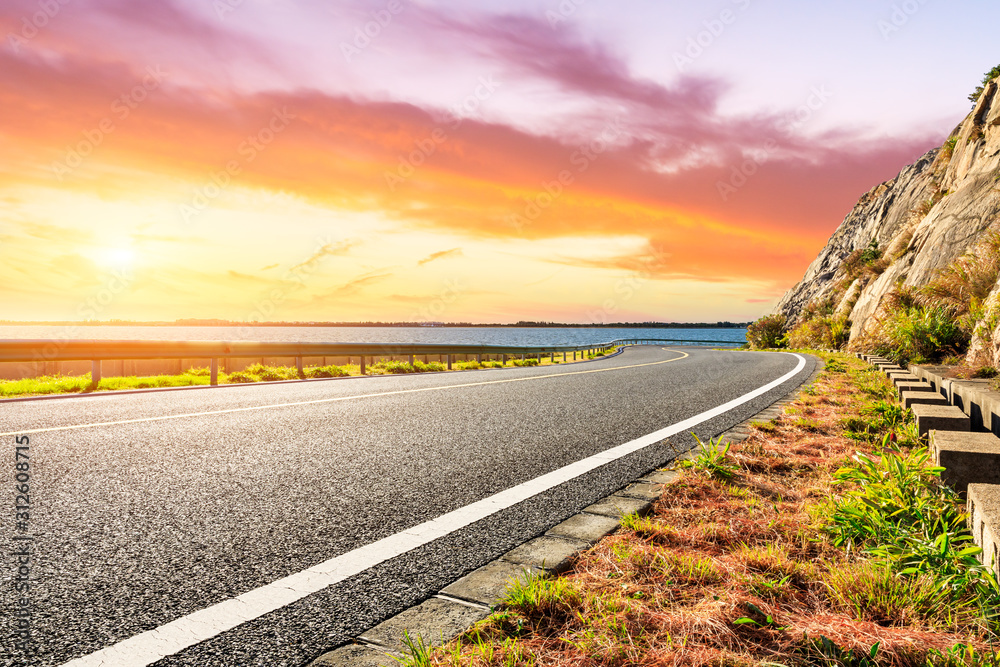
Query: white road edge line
175	636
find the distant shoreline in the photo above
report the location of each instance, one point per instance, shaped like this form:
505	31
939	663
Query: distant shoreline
422	325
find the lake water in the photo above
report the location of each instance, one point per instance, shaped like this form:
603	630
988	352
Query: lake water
512	336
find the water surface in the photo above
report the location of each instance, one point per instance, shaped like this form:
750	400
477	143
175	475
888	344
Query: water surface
509	336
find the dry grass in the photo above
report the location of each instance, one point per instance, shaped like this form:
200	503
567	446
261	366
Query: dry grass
966	283
730	573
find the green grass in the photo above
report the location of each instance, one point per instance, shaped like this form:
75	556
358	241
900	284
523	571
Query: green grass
882	419
713	459
873	592
63	384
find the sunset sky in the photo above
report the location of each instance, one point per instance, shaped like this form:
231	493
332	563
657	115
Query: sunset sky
488	161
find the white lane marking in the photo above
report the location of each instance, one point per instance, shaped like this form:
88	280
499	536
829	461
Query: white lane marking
337	399
148	647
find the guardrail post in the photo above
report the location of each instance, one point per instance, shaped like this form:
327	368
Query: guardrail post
412	362
449	362
298	367
479	359
363	371
95	372
214	372
505	360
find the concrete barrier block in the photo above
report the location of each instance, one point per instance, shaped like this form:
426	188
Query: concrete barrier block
967	458
939	418
980	401
932	374
984	521
911	398
913	386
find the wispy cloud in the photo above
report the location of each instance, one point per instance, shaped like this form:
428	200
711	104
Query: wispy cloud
454	252
355	285
339	248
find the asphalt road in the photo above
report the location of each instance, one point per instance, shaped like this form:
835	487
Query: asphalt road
139	523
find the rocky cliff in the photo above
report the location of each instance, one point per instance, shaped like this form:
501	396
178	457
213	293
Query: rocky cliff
935	211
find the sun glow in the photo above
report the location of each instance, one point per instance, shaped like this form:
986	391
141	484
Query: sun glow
117	258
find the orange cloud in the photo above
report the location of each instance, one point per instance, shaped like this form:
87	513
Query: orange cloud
479	179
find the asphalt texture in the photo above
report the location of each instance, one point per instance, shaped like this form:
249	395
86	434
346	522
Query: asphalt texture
138	524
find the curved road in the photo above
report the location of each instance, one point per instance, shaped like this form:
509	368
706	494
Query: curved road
150	506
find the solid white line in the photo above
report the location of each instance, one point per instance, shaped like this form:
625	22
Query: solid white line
148	647
251	408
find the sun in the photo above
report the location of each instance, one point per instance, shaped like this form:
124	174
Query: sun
118	258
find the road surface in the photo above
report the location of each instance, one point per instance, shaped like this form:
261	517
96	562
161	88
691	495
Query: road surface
149	507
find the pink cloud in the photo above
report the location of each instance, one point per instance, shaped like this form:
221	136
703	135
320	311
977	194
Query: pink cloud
339	149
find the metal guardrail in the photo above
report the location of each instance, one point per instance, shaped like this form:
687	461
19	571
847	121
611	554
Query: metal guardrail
97	351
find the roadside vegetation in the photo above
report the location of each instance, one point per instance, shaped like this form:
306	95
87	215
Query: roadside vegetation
936	322
76	384
826	538
932	323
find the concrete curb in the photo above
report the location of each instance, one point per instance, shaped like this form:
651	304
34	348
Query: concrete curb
470	599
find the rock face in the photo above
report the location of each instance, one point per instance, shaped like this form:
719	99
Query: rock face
933	212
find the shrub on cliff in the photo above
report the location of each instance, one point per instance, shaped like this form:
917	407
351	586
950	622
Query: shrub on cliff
992	74
919	334
767	332
862	259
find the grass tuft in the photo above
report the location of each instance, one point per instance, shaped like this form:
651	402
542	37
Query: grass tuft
712	459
